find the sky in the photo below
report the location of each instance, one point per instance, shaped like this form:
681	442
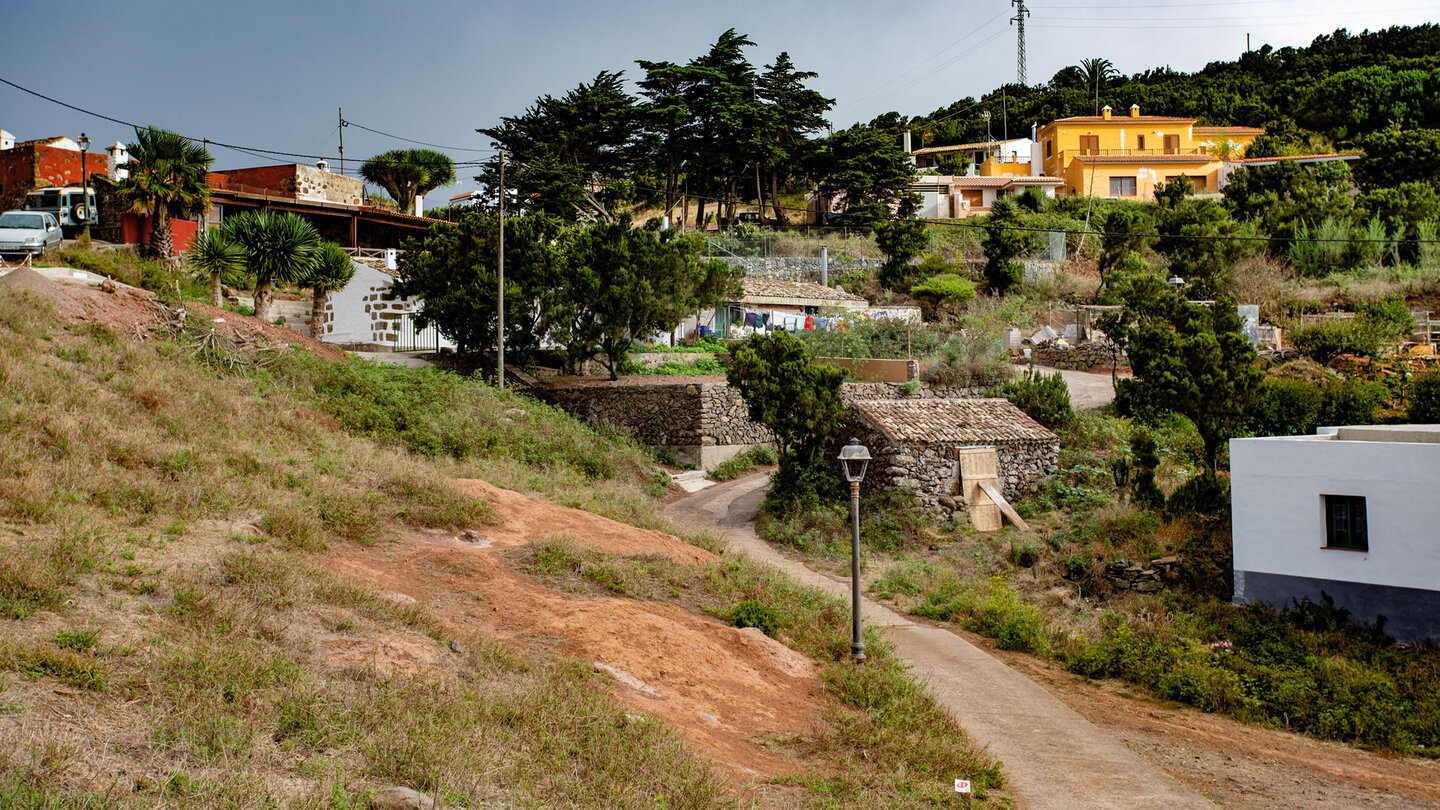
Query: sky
273	75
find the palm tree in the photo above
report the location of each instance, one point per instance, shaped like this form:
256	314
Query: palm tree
331	273
168	177
407	174
1096	70
212	253
278	248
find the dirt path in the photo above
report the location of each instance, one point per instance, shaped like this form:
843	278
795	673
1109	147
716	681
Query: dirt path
1087	391
1053	757
1233	764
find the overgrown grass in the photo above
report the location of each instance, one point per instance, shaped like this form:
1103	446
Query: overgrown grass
750	460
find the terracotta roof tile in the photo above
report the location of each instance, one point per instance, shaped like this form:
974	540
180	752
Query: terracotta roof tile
1227	131
943	420
1147	159
1329	156
776	288
1119	119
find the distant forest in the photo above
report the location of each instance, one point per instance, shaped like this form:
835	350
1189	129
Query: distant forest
1330	95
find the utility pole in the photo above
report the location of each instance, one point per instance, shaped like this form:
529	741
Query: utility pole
1019	21
341	113
500	369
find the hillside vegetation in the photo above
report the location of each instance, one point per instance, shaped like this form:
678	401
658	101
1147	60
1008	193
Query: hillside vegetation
165	514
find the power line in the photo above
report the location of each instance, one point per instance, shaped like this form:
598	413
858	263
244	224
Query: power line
863	99
412	140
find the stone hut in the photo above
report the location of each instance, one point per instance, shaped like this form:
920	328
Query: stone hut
913	443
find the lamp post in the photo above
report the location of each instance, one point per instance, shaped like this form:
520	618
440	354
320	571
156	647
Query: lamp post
854	457
85	185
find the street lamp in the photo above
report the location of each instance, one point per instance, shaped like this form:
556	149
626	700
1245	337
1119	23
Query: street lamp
1175	282
85	185
854	457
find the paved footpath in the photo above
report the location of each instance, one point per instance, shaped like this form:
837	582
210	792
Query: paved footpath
1053	757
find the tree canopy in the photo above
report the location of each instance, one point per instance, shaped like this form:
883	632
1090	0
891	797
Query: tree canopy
168	177
408	174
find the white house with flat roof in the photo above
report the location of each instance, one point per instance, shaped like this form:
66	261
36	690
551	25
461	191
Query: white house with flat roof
1351	513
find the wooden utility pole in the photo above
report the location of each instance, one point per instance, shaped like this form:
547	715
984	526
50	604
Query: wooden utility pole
500	369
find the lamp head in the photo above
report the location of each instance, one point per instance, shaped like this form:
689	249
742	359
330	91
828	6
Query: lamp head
854	457
84	141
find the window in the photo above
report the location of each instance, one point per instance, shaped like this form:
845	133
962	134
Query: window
1172	144
1345	522
1122	187
1049	147
1141	141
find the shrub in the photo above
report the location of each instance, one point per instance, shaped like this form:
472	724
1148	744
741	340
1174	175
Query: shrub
1350	402
946	287
1024	555
759	456
1285	408
1425	399
756	614
1202	495
996	611
1044	399
1326	340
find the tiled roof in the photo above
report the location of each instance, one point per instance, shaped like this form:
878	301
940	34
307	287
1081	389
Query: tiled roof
1330	156
1227	131
1147	158
952	421
1004	181
775	288
955	147
1120	119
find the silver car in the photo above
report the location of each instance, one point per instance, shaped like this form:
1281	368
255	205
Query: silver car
28	232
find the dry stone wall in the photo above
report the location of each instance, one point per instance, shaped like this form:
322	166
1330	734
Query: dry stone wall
683	415
1097	356
797	269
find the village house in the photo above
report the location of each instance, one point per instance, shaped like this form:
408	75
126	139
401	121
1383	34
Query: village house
1348	514
1127	157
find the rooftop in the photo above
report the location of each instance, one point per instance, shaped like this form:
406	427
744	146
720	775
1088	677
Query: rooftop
1397	434
1002	181
963	147
1122	119
1146	158
1227	130
952	421
807	293
1266	161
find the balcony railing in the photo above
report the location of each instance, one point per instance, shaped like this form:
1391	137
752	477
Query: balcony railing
1065	155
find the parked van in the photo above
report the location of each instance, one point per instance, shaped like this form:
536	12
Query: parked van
67	204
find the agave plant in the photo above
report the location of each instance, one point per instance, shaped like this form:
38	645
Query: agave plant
279	248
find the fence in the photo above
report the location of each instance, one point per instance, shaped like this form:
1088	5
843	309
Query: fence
408	338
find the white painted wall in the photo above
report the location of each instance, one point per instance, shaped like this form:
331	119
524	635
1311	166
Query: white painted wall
1279	528
351	315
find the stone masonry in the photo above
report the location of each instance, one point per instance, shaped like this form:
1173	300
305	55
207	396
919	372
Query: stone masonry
797	269
913	444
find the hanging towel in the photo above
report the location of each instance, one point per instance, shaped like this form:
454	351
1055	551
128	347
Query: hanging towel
750	318
809	323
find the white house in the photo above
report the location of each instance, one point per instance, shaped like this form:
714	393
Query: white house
1350	513
367	313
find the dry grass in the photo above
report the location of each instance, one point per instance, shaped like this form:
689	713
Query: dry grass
158	521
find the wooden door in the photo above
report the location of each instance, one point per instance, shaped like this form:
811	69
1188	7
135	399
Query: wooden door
974	196
1172	144
977	464
1089	144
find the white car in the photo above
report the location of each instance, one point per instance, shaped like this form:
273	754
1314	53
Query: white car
28	232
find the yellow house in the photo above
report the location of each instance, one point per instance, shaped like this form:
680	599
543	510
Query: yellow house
1126	158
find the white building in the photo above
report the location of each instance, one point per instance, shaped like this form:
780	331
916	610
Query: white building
1350	513
367	314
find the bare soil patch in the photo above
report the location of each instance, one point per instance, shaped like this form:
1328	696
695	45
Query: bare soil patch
133	311
729	691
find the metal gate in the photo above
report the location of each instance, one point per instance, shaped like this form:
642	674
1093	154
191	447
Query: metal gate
410	339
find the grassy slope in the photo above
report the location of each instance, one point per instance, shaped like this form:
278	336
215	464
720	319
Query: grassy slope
159	518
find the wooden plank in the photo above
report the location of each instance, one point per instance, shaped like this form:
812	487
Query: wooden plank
975	465
993	491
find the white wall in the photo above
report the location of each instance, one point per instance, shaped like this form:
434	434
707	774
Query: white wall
1279	528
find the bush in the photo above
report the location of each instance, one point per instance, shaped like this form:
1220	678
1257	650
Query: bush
756	614
1425	399
1326	340
1044	399
1350	402
1203	495
1285	408
996	611
760	456
946	287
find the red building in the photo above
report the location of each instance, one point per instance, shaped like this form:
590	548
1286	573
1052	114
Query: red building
29	165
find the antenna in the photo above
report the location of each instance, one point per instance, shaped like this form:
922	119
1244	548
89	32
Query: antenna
1019	21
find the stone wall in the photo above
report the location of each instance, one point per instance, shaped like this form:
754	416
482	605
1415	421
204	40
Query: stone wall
797	269
1099	356
928	469
701	418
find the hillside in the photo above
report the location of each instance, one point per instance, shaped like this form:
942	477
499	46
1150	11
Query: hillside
1337	90
236	574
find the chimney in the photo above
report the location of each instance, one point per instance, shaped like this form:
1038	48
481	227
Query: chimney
323	165
1134	110
1105	112
7	141
906	142
119	156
